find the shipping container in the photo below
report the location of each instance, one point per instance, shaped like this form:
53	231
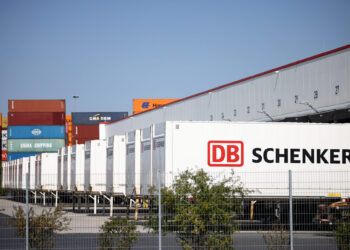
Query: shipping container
94	118
67	168
145	161
36	132
36	118
36	105
85	131
116	164
132	163
260	154
15	156
77	167
95	166
4	139
4	123
32	172
3	155
140	105
46	171
24	168
34	145
4	179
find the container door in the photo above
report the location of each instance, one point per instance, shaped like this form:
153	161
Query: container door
109	176
158	161
87	171
130	168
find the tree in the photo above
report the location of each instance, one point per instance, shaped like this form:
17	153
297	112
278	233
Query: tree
117	233
42	227
201	210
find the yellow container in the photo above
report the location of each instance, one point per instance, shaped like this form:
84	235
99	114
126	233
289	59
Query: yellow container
4	122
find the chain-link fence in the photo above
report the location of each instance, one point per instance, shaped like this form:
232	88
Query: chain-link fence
244	210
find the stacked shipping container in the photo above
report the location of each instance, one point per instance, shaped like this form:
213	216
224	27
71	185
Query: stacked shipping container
85	124
3	123
68	130
35	126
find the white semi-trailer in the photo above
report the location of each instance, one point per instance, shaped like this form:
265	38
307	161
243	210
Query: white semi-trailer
260	154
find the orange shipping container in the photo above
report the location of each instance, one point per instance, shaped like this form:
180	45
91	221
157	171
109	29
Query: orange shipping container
140	105
37	105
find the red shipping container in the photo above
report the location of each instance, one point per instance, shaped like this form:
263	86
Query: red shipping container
85	131
4	155
37	118
36	105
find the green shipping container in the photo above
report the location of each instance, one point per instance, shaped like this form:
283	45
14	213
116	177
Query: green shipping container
34	145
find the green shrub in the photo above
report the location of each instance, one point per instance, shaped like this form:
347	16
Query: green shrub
117	233
42	227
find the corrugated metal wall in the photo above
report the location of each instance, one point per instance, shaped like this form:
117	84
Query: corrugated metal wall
323	83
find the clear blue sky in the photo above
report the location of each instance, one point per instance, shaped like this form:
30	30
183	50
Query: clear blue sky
109	52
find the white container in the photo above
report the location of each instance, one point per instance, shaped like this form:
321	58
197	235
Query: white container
60	174
67	167
259	153
23	170
145	161
32	172
116	165
77	168
46	171
132	164
4	180
16	174
95	166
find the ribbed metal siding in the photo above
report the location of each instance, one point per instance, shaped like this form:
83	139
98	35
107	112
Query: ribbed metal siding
322	82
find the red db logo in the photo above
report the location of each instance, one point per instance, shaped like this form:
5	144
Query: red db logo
225	153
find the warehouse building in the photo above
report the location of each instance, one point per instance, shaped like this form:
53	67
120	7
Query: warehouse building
314	89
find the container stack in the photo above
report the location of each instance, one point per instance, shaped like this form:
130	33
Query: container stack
35	126
85	125
68	130
3	123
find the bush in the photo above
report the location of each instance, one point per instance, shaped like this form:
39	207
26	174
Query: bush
42	227
201	211
117	233
342	232
278	238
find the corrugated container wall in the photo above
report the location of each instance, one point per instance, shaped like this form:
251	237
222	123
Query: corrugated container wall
36	105
34	145
36	132
15	156
321	81
4	122
85	131
36	118
94	118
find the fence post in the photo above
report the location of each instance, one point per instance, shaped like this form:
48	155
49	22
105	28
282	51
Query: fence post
159	210
291	210
27	211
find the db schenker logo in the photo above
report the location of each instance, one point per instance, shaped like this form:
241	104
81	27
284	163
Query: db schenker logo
225	154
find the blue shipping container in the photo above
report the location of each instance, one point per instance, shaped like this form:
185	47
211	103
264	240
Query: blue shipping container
36	132
15	156
94	118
